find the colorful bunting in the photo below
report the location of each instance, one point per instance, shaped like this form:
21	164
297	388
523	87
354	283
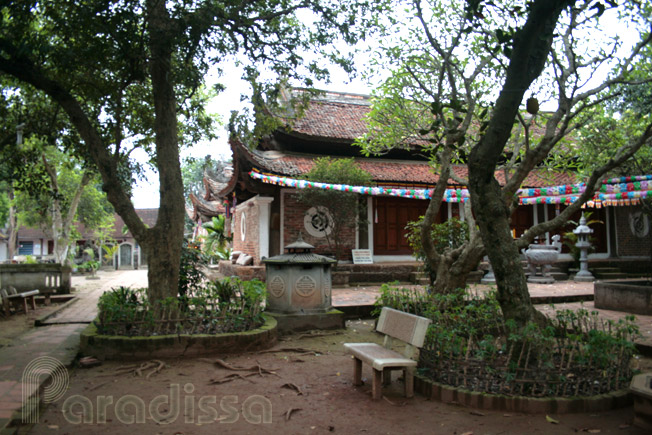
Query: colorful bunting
614	191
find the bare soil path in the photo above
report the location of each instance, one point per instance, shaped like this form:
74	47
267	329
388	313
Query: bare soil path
305	391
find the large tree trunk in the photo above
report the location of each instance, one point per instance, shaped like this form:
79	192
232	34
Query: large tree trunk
531	47
163	244
455	265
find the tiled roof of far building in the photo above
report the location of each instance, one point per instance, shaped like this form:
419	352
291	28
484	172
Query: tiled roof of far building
203	209
387	171
333	118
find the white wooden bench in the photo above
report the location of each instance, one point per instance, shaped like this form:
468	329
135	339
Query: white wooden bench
406	327
11	296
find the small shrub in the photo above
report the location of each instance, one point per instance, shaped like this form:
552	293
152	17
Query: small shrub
230	305
450	234
191	275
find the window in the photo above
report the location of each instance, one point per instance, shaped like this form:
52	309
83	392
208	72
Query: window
26	248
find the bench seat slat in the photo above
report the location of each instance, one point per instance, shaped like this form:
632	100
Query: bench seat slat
377	356
24	294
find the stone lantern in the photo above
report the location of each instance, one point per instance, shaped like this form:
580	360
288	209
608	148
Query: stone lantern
582	231
299	288
298	281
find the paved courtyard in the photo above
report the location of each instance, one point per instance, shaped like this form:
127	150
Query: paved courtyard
59	338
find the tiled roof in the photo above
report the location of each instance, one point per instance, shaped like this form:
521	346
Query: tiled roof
212	188
148	216
333	120
385	171
205	209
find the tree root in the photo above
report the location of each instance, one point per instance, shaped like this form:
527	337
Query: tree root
137	370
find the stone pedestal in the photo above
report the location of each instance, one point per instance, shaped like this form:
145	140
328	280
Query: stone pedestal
641	389
541	257
333	319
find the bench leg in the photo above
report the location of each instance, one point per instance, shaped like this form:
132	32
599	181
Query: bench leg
24	305
31	299
387	376
377	385
357	372
408	374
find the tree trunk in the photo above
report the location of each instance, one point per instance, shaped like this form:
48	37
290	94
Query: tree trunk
530	51
164	242
454	266
13	226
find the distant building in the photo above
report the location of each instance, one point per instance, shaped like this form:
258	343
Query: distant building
35	242
266	216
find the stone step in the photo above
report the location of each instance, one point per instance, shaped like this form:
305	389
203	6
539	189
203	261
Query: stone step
595	270
637	275
553	269
609	275
417	276
474	277
420	278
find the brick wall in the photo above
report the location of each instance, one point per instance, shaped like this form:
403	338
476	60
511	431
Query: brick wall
629	244
294	213
250	243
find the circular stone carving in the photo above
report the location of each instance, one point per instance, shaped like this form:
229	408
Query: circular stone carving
639	224
305	286
277	286
318	222
243	226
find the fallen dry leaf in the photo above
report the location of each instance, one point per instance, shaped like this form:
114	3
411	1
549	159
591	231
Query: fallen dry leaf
551	420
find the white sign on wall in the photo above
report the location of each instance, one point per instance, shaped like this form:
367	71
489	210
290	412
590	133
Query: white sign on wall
362	256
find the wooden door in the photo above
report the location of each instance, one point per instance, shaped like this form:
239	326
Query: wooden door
391	215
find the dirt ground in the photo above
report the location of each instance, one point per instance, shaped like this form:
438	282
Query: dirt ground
303	386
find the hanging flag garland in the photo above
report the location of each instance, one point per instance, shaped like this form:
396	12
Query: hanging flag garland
614	191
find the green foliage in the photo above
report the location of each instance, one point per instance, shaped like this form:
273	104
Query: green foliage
120	305
344	208
216	241
450	234
91	264
129	75
4	204
469	344
193	170
191	276
230	305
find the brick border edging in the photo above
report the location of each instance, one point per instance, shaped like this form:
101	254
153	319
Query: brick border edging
108	347
528	405
42	321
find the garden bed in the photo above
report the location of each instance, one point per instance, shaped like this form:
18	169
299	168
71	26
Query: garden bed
471	354
176	345
632	296
529	405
